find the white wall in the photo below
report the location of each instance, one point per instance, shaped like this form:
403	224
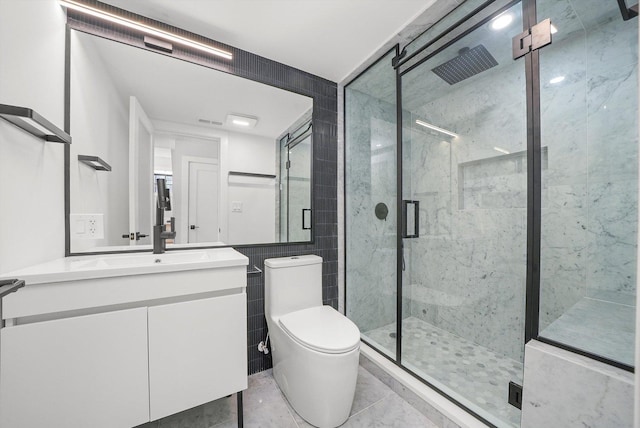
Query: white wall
249	153
32	50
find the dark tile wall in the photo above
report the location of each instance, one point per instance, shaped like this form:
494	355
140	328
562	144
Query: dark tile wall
325	153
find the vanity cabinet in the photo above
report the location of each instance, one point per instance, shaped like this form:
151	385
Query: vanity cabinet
191	343
93	349
87	371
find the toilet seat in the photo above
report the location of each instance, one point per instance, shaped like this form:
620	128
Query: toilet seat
322	329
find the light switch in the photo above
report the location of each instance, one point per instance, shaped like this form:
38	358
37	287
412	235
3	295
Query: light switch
80	227
236	206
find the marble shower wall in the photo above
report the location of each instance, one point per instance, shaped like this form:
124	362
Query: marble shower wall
589	214
564	389
468	267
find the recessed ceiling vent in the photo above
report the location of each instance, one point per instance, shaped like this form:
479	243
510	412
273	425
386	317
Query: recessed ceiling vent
209	122
468	63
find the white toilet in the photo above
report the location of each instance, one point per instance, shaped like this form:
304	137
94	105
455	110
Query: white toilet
315	349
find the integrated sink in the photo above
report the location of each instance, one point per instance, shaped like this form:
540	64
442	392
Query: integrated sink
145	259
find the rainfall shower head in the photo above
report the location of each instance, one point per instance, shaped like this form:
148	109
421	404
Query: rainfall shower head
468	63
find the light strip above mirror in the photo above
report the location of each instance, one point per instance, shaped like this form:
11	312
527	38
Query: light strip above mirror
89	10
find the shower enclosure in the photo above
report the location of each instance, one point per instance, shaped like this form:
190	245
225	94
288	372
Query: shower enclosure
491	195
295	185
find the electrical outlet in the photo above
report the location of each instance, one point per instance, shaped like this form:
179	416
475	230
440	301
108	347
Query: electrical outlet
87	226
236	206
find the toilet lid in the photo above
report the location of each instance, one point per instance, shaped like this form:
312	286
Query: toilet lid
322	329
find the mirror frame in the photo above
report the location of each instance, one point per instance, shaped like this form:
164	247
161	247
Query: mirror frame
245	65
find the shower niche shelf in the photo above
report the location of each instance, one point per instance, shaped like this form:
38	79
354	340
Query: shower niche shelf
32	122
495	182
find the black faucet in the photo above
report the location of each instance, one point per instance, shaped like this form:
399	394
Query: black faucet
160	234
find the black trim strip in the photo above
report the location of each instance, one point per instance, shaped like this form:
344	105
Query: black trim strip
251	174
534	181
588	354
67	149
399	215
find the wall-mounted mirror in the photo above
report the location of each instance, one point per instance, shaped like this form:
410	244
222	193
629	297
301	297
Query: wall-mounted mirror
236	155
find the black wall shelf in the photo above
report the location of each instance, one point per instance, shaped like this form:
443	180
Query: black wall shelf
94	162
30	121
251	174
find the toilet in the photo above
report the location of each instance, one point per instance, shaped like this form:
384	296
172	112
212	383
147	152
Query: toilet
315	348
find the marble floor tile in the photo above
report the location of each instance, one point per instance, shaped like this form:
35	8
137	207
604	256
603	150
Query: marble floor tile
374	405
264	404
391	411
369	391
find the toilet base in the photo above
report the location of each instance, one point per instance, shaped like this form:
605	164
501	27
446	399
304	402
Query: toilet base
320	387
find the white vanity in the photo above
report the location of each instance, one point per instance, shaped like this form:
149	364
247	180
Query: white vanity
119	340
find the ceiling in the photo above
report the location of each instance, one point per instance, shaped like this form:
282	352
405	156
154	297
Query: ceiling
328	38
180	92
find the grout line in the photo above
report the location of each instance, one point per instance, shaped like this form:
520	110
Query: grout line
370	406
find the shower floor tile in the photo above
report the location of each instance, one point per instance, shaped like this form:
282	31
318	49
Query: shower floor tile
468	372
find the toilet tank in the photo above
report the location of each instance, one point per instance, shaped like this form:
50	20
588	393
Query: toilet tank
292	284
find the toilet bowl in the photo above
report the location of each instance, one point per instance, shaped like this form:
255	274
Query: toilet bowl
315	349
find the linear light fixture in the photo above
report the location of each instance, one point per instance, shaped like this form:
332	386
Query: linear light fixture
435	128
89	10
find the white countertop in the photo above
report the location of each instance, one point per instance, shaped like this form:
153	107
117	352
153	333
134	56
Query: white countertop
110	265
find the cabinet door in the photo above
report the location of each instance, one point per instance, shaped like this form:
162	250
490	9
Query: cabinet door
88	371
197	352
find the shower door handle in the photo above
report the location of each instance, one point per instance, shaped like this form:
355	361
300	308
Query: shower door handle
304	217
406	219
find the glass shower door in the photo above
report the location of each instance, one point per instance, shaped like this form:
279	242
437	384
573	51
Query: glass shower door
299	192
464	140
370	204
